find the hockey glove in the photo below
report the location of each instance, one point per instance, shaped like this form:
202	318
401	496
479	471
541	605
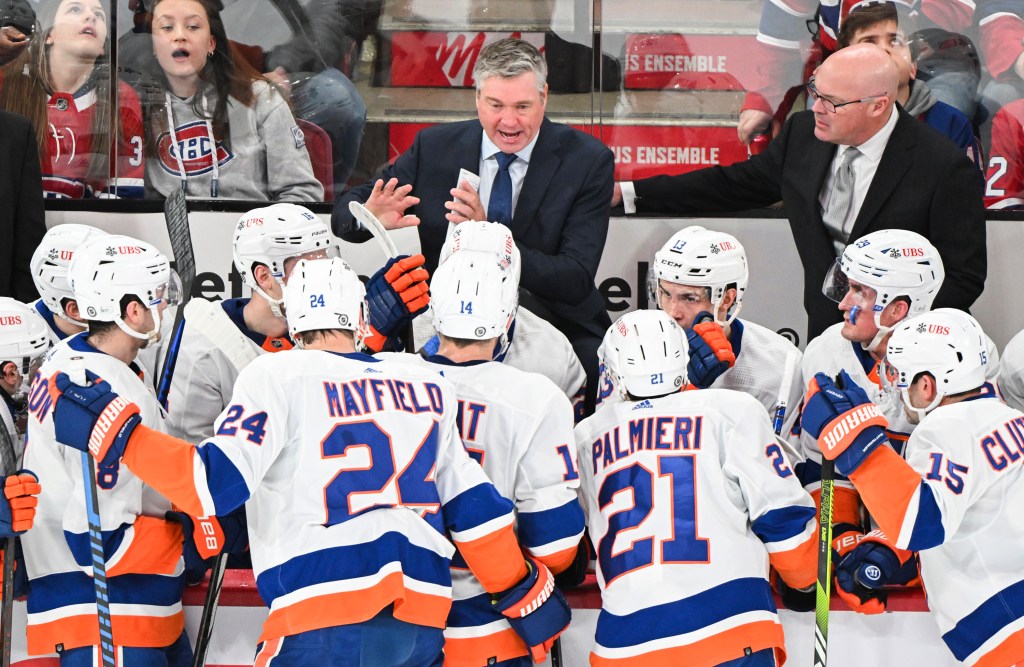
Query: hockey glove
710	351
535	609
847	426
866	563
18	503
794	599
93	418
395	294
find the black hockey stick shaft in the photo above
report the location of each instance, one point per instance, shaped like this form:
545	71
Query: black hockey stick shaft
180	236
10	457
205	632
823	588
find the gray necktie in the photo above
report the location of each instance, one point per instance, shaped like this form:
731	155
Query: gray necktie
834	216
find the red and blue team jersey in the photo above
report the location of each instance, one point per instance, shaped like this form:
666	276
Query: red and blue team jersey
1004	182
70	151
689	499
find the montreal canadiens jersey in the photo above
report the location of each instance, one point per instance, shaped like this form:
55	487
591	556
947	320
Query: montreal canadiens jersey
688	499
352	474
145	602
518	426
70	150
1004	181
536	347
962	513
203	377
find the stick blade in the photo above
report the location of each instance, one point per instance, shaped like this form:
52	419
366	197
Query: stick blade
371	223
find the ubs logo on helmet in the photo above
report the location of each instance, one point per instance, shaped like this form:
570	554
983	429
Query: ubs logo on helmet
10	320
194	147
913	252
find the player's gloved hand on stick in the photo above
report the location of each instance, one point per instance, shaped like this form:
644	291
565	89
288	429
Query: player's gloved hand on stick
847	425
710	351
92	418
199	547
866	563
794	599
395	294
18	503
535	609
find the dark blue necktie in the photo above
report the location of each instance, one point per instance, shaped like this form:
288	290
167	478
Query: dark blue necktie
499	208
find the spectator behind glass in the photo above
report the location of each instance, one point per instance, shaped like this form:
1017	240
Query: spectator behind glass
207	99
879	24
62	84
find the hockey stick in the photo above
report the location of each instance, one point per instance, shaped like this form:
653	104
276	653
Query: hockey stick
210	320
782	405
10	546
76	371
823	589
374	226
176	218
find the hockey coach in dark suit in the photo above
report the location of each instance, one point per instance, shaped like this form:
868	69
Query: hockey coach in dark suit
549	183
853	164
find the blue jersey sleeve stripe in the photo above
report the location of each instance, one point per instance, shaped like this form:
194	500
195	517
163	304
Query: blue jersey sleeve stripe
64	589
983	623
80	549
783	523
226	485
539	528
690	614
352	562
475	507
928	531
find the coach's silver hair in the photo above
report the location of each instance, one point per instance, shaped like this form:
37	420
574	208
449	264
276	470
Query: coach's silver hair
508	58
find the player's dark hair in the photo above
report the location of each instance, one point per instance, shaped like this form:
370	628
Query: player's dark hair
959	394
864	17
461	343
314	335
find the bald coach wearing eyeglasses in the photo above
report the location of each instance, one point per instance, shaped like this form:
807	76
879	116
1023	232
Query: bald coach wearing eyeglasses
852	164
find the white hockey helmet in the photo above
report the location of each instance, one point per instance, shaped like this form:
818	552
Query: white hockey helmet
276	236
24	339
701	258
474	295
893	262
49	265
483	236
947	343
324	294
645	353
105	269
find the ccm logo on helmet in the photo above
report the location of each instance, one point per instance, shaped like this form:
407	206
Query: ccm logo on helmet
851	420
10	320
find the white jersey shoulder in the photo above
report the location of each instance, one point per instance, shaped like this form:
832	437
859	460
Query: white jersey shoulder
1011	372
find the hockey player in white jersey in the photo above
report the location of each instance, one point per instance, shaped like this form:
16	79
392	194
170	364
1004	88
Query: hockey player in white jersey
880	280
352	473
531	343
122	287
703	271
955	496
207	356
687	506
23	341
1011	372
517	425
49	266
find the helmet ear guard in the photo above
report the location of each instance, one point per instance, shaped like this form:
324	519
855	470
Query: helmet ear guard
645	354
946	343
24	339
701	257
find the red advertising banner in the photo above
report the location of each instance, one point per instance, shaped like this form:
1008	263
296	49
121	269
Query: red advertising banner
443	59
688	62
640	150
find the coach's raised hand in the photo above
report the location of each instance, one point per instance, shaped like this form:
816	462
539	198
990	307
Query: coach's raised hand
388	203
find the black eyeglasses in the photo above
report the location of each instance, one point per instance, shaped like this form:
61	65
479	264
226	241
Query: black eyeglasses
831	106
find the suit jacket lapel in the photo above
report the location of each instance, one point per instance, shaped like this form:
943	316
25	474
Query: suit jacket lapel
467	150
896	160
544	162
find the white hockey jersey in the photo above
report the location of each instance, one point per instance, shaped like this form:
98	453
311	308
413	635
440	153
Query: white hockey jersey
761	358
688	500
199	382
352	473
958	504
145	603
518	426
536	346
